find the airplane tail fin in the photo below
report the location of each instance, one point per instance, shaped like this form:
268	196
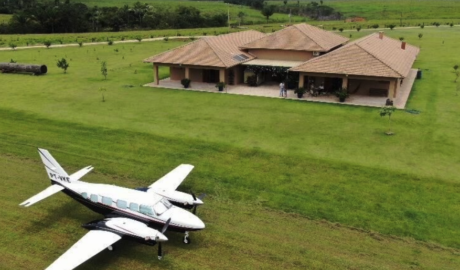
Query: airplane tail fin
55	171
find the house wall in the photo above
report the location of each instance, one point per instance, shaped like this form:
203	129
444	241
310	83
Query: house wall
366	87
281	55
176	73
196	75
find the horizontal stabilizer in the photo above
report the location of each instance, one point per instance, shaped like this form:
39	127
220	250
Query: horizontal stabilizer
78	175
42	195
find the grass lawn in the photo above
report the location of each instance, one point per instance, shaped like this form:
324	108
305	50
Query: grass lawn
251	238
322	161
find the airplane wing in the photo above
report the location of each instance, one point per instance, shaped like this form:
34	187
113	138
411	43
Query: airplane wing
88	246
51	190
173	179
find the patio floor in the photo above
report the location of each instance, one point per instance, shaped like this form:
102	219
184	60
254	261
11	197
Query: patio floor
272	90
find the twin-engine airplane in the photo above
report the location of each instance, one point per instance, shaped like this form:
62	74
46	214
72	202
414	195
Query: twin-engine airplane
131	214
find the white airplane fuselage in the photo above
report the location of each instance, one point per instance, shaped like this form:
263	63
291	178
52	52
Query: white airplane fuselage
146	207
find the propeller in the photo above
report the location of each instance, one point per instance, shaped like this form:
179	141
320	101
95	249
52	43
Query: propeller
163	230
194	198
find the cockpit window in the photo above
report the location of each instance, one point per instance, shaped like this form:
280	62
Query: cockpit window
147	210
162	206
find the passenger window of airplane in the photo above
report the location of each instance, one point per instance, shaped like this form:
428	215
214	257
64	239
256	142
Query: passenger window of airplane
84	195
107	200
94	198
146	210
122	204
134	207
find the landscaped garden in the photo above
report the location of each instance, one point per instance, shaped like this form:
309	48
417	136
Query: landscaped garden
261	156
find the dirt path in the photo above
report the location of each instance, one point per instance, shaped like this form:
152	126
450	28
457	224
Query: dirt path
96	43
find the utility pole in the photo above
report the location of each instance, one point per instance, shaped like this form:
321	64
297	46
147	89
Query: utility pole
290	15
228	15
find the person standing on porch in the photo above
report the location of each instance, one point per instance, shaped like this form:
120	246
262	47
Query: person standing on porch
282	89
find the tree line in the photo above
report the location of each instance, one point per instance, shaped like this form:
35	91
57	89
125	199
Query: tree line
31	16
313	9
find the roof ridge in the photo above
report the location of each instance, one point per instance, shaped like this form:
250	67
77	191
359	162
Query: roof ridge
380	60
305	34
214	51
172	49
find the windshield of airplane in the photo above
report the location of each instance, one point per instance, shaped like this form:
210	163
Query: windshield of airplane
162	206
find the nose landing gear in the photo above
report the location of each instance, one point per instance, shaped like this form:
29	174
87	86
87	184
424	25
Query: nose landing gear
186	238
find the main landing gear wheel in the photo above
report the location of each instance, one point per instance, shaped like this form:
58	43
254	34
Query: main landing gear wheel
187	239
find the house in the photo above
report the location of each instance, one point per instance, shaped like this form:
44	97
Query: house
374	65
301	54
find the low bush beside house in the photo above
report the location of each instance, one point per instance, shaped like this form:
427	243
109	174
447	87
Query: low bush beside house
300	92
342	95
185	83
252	80
220	86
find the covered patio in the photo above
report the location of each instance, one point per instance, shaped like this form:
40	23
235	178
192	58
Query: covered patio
271	90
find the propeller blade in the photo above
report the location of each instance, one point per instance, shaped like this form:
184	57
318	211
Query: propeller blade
193	195
202	195
165	227
160	252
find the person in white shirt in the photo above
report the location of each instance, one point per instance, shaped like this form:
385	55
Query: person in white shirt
282	89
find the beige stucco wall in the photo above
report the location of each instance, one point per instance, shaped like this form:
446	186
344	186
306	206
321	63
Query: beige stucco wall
366	85
196	75
282	55
176	73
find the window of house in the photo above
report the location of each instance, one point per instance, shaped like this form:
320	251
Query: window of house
122	204
107	200
85	195
147	210
94	198
134	207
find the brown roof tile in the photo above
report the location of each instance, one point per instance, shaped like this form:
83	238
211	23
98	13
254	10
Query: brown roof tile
216	51
299	37
368	56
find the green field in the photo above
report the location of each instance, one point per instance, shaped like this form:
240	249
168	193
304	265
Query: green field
206	7
4	18
316	161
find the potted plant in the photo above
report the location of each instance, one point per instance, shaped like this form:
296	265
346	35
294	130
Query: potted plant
300	92
342	95
185	82
221	86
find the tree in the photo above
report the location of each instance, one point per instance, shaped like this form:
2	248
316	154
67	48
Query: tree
358	28
47	44
388	111
457	72
420	36
392	26
102	90
401	38
241	15
268	11
62	64
104	69
13	46
341	29
285	2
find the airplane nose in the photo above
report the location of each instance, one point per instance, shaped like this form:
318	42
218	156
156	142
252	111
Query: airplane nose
198	202
197	223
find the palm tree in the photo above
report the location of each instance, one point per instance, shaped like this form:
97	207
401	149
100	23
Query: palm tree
241	15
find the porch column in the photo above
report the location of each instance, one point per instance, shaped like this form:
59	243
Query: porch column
392	90
345	82
155	74
187	73
222	75
301	80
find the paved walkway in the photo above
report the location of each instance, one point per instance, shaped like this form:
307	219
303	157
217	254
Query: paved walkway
272	91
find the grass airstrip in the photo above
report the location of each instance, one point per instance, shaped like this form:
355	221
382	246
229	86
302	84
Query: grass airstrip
272	167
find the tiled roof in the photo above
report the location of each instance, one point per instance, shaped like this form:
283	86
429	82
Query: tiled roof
368	56
219	51
299	37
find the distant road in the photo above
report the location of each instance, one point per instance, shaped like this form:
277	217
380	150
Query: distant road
186	37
